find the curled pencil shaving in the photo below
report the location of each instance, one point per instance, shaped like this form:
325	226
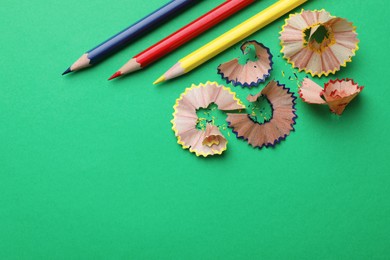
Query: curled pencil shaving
310	92
336	93
202	142
255	70
275	129
318	43
212	136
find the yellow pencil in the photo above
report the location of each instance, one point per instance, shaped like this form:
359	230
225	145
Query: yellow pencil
230	38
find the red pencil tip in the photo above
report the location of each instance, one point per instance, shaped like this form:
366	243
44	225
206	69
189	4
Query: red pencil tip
115	75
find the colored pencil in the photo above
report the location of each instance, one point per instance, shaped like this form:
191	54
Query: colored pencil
182	36
131	33
230	38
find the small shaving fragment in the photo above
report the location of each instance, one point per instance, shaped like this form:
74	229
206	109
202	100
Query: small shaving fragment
337	94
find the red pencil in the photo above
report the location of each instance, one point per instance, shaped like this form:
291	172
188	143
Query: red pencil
182	36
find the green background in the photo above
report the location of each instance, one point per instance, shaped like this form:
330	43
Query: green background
91	168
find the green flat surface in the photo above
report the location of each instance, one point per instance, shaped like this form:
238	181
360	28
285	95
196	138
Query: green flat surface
90	169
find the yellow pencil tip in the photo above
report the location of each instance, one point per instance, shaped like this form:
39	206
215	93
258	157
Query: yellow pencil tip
159	80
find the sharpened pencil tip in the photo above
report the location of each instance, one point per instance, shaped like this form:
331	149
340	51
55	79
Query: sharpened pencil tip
67	71
159	80
115	75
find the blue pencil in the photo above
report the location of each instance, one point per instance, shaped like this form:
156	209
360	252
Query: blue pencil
125	37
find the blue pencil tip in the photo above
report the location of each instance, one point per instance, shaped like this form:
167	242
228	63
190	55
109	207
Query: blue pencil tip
67	71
